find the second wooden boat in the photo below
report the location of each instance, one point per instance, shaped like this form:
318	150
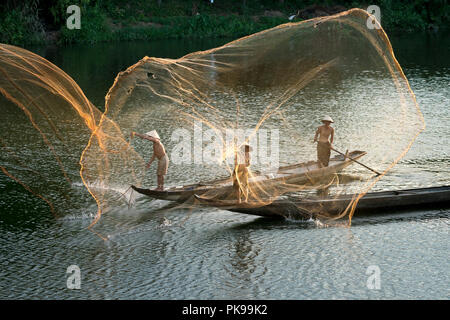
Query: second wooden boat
370	203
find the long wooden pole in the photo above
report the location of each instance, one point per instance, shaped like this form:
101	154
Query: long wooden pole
378	174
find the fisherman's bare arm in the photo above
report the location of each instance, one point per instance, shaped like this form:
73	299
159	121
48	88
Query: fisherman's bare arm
332	136
317	134
149	163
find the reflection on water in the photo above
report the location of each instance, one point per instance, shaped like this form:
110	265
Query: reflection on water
156	252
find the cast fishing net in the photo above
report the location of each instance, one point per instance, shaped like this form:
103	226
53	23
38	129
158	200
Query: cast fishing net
268	90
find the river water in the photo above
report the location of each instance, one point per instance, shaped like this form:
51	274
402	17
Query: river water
155	253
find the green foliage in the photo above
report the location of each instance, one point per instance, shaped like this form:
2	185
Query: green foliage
398	15
21	26
200	26
106	20
12	28
94	28
58	9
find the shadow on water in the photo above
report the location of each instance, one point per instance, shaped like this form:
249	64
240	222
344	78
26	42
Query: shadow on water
22	210
95	67
429	50
243	264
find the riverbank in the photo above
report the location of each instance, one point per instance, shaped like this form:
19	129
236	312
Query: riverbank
45	23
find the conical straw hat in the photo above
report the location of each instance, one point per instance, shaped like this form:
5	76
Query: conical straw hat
327	118
153	134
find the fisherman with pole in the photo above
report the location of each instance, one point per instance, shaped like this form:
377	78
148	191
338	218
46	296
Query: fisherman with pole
324	138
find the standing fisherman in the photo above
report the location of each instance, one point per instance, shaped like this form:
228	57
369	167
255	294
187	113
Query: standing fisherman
325	133
158	152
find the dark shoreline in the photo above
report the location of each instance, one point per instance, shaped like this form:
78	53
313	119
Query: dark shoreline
32	24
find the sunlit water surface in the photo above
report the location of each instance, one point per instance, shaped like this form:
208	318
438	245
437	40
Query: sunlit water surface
153	252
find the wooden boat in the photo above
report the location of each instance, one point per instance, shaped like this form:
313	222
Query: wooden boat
229	204
371	203
299	173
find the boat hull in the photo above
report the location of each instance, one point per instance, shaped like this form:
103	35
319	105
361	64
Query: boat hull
299	173
371	203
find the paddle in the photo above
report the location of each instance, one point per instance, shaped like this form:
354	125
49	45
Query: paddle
378	174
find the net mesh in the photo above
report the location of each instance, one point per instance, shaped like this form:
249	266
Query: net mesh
268	90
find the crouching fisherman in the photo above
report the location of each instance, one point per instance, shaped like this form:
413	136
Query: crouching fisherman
159	153
240	173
